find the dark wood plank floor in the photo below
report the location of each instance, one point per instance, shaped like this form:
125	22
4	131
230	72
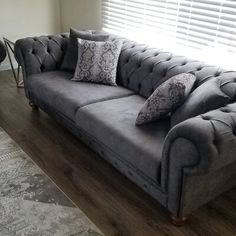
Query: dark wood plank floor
111	201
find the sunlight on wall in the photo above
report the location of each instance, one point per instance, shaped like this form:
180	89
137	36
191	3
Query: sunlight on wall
24	18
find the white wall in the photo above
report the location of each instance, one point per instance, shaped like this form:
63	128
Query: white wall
21	18
80	14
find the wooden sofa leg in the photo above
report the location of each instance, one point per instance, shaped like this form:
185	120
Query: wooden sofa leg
33	106
178	221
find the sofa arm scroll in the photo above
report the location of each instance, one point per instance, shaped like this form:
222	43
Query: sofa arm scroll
197	149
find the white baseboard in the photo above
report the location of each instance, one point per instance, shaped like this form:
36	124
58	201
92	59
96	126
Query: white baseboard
7	66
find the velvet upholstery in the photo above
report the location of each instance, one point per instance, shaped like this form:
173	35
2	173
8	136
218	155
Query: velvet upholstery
198	148
140	147
67	96
192	162
41	54
142	69
153	188
206	97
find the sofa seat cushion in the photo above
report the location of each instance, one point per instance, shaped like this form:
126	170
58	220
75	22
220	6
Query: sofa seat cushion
113	124
57	90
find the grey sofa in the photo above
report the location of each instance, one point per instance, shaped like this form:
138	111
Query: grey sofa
182	167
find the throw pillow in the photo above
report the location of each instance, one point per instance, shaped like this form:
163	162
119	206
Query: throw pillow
97	61
71	55
206	97
166	98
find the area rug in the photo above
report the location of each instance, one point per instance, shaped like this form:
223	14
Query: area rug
30	203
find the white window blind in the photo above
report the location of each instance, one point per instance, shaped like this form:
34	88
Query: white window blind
205	29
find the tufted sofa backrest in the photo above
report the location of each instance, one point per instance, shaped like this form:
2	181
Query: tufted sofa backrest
142	69
40	54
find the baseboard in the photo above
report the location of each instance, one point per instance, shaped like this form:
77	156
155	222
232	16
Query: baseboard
7	66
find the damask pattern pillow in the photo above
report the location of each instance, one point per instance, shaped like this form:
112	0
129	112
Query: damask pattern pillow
71	55
166	98
97	61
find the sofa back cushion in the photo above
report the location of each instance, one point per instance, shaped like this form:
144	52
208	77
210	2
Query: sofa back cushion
207	97
71	55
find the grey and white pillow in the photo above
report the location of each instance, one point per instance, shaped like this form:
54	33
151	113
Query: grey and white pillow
166	98
71	55
97	61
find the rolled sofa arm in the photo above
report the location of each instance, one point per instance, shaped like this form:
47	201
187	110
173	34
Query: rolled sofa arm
199	160
40	54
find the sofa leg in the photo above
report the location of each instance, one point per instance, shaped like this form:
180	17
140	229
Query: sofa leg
178	221
33	106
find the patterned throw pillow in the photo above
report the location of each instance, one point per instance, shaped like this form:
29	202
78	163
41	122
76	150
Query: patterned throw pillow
97	61
71	56
166	98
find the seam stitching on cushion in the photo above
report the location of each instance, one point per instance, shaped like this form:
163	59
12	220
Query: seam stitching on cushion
103	100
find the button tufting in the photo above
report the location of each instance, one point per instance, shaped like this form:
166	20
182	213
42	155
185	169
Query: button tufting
199	68
225	110
130	173
35	39
205	118
164	73
42	67
217	74
215	142
234	132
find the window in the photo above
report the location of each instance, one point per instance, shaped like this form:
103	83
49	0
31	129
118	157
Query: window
204	29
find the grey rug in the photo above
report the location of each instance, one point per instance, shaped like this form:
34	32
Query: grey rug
30	203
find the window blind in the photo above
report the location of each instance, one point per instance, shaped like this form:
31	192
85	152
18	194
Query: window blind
205	28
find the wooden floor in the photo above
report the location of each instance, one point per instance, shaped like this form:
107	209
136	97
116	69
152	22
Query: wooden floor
111	201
